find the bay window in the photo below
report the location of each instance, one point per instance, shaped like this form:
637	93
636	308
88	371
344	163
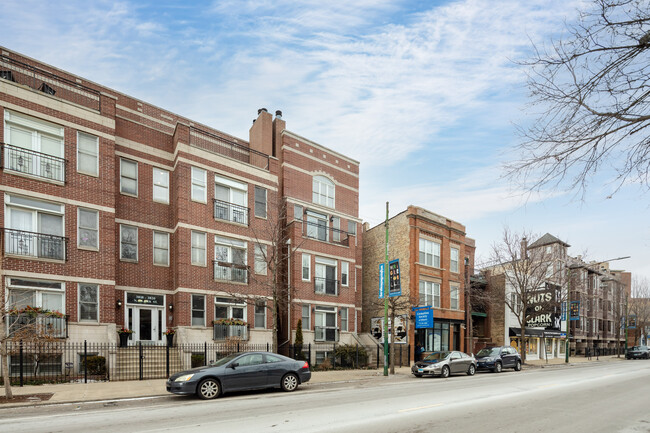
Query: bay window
231	199
230	260
325	324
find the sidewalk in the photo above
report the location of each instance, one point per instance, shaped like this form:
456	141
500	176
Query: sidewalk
100	391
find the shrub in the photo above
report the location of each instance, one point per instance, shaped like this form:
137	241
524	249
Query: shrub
299	342
198	360
347	355
96	365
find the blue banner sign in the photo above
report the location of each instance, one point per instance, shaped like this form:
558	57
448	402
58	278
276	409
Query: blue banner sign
381	281
394	288
424	318
574	311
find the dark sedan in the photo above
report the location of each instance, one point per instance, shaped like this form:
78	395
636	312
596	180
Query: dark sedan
498	358
241	372
445	363
638	352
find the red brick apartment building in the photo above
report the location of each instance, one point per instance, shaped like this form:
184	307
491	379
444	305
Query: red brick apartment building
431	250
120	214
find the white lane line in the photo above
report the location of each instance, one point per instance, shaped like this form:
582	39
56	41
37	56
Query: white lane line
420	408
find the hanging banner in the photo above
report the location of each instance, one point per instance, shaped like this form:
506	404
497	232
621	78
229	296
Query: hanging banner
395	287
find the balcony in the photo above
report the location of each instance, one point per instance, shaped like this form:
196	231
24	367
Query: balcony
323	333
36	245
224	332
222	146
324	233
230	272
47	324
230	212
50	84
326	286
26	161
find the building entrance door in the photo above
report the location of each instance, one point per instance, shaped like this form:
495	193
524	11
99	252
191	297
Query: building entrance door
146	323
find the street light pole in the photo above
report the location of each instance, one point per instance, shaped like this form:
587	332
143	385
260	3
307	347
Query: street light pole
386	290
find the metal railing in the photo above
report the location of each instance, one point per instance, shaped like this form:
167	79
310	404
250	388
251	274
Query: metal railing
31	244
226	211
323	232
27	161
230	272
48	83
223	332
326	286
222	146
323	333
41	324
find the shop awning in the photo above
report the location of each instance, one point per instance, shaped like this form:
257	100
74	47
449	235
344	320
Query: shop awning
533	332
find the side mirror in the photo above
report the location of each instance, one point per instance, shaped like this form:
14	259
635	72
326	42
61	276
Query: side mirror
234	364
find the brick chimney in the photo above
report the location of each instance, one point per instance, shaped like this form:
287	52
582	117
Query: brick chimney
261	133
524	248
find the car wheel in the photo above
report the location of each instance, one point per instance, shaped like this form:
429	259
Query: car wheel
445	372
289	382
417	375
208	389
518	366
471	370
498	367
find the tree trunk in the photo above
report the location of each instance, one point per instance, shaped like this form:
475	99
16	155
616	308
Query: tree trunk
391	347
4	366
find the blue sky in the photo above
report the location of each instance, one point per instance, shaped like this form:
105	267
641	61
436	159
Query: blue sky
423	93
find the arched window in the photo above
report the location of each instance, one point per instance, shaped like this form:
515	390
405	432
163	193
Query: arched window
323	191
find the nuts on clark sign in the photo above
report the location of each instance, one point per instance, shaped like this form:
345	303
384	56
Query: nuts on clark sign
544	308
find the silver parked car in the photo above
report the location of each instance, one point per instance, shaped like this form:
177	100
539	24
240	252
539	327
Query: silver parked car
444	363
241	372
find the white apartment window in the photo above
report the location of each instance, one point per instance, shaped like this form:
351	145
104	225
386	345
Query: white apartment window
260	314
344	319
352	227
515	303
199	185
87	154
306	267
325	324
297	212
454	253
34	147
198	248
160	248
429	294
128	177
198	310
45	294
260	202
230	260
306	317
323	191
231	200
160	185
88	302
227	308
429	253
260	259
316	226
88	228
453	297
128	243
336	229
34	228
325	281
549	271
345	272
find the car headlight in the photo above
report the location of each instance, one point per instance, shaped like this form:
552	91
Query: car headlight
184	378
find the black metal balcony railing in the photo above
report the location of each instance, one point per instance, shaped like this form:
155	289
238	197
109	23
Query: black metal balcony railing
41	324
324	233
222	146
39	245
230	272
230	212
33	163
322	333
48	83
223	332
326	286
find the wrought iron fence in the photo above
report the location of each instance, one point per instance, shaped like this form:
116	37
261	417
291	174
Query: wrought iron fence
226	211
326	286
230	272
221	145
34	163
40	245
223	332
50	326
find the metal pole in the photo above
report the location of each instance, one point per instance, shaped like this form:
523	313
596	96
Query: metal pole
568	314
386	289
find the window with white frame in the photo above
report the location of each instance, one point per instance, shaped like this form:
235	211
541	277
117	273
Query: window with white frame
317	226
260	202
198	248
352	227
230	260
429	294
160	185
160	248
345	273
34	228
325	281
260	314
87	154
323	191
128	243
231	200
33	147
227	308
453	259
325	328
199	185
454	291
198	310
88	302
306	314
87	228
45	294
429	253
306	267
515	302
344	319
260	259
297	212
128	177
336	229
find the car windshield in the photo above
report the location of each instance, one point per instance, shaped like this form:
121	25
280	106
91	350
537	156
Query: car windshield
436	356
489	352
639	348
225	360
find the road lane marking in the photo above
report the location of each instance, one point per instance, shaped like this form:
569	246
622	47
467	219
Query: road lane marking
420	408
550	385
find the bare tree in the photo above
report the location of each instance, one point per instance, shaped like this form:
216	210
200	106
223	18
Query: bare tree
397	306
639	306
592	96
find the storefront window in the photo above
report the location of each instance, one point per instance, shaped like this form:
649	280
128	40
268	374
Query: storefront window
531	346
